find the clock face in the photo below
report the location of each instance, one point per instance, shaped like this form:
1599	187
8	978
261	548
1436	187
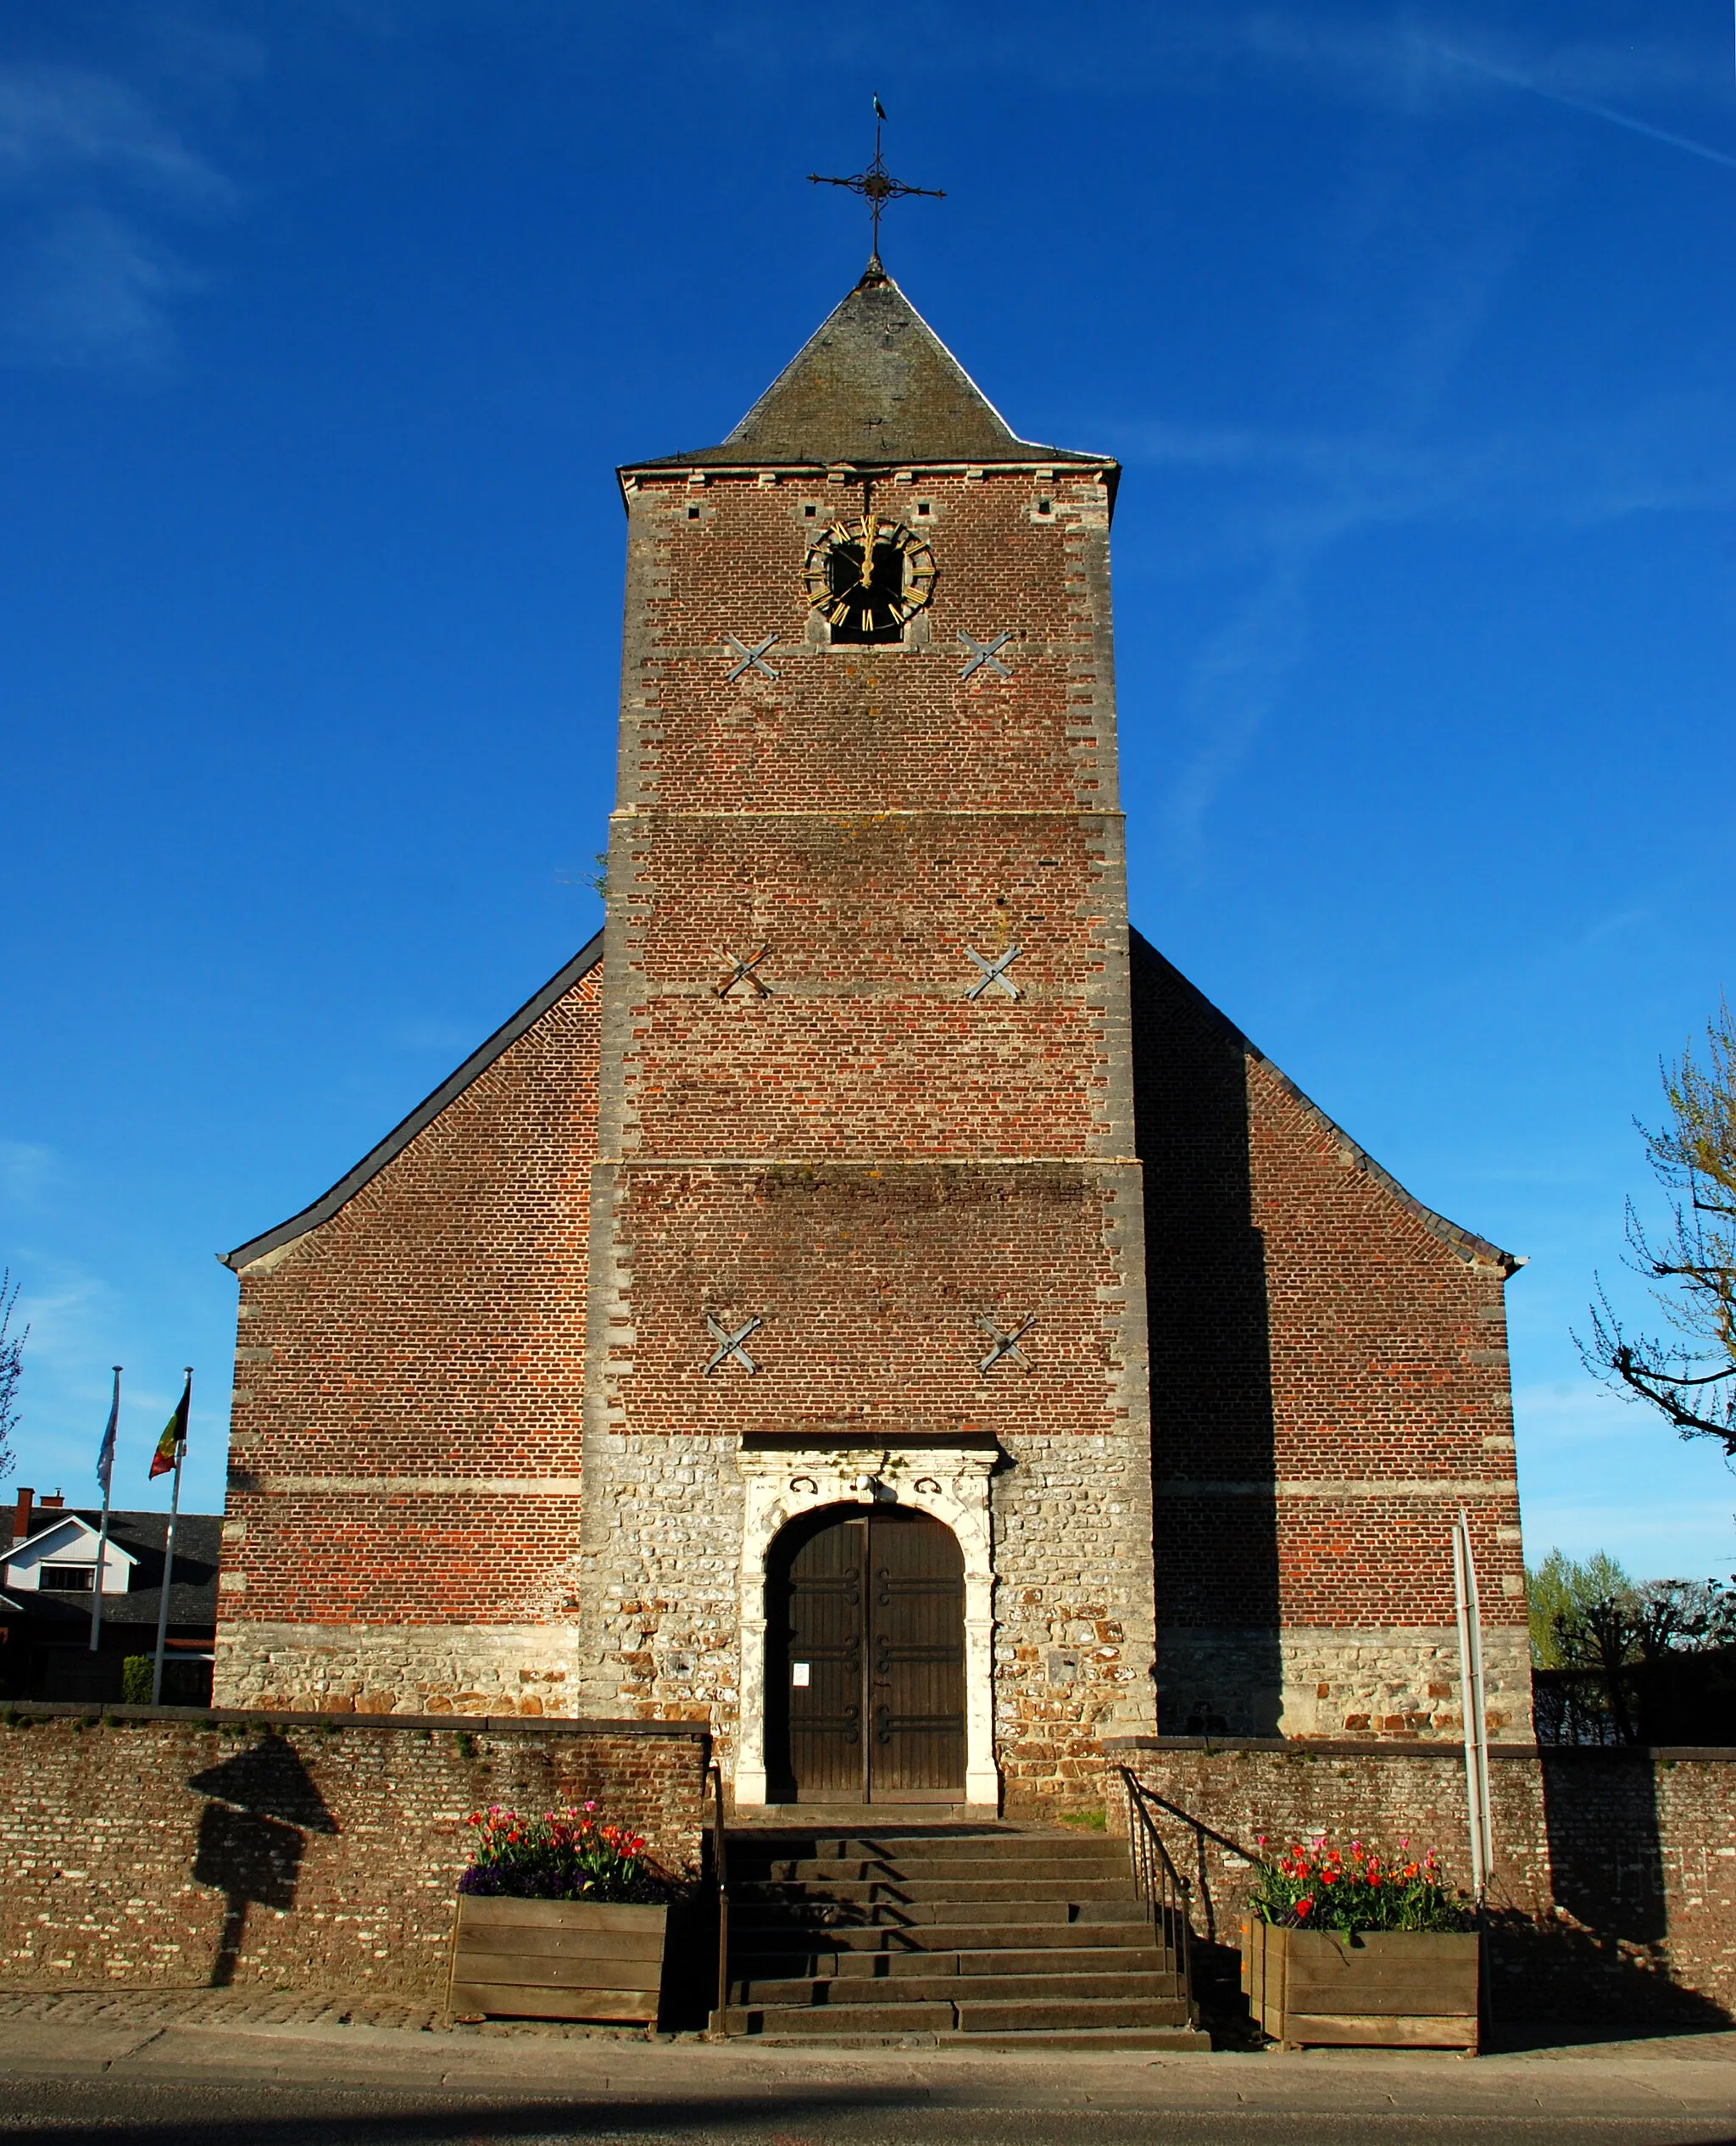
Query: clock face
867	577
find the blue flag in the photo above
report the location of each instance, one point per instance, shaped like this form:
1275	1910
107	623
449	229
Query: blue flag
105	1452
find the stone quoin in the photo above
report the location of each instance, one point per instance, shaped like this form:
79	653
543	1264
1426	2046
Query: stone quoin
870	1191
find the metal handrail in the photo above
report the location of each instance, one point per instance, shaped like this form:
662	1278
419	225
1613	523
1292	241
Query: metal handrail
719	1878
1167	1895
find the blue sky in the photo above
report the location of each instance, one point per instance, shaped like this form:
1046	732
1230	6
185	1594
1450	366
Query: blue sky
322	328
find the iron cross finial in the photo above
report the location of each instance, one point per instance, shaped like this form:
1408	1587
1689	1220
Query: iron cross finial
879	186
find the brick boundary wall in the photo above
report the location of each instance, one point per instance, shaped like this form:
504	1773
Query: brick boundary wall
1613	1894
161	1848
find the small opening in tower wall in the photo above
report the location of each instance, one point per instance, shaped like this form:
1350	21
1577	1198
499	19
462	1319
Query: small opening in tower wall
692	514
924	508
1044	507
810	511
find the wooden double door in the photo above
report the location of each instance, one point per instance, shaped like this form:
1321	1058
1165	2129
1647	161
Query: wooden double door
866	1658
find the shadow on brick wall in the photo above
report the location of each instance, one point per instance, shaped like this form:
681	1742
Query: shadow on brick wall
1544	1971
1605	1953
252	1836
1211	1406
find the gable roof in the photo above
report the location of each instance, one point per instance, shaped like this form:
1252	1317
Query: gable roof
192	1593
873	385
72	1526
424	1112
1474	1250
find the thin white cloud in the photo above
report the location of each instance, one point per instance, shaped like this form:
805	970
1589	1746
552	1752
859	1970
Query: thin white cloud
1673	454
89	287
88	171
1408	60
1290	497
64	1311
1592	110
1413	61
58	123
27	1168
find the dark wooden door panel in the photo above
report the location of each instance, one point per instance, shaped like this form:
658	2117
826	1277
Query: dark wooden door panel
865	1658
822	1669
917	1611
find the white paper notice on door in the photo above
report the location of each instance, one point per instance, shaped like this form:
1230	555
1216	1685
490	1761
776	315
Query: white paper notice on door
798	1673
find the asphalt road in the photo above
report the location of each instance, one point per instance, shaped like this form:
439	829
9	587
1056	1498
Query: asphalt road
196	2070
165	2113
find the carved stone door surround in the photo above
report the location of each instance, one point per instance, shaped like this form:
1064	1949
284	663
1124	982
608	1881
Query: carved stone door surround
783	1478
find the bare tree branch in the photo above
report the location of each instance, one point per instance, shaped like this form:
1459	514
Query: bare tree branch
1692	1382
11	1370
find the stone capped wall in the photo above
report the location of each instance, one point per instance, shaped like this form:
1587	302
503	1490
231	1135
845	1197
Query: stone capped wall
146	1850
1613	1894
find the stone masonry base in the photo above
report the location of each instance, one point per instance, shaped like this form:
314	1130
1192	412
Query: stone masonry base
395	1669
1379	1680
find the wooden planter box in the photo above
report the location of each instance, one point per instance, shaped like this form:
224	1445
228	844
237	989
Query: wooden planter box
555	1959
1381	1989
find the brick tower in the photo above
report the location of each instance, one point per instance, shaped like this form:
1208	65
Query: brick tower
866	1220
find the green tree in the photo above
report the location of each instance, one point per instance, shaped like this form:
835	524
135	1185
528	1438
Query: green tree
1560	1590
1651	1659
1690	1381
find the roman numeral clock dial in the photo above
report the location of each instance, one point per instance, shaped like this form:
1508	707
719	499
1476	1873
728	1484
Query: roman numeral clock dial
867	578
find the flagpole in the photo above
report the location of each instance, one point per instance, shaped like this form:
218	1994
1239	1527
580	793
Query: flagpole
169	1550
105	1470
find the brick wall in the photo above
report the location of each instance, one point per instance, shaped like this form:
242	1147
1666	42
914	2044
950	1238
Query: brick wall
1614	1889
403	1520
300	1852
1329	1383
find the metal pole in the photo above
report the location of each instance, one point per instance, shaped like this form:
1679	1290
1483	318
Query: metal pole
1486	1810
169	1563
107	1472
1470	1698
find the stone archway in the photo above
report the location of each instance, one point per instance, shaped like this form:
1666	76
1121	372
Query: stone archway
949	1483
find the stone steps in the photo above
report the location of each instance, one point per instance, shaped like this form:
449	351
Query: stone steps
1023	1939
878	1968
929	1870
961	1892
948	1850
805	1912
990	1987
1056	2017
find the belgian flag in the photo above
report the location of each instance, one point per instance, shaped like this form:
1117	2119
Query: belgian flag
174	1436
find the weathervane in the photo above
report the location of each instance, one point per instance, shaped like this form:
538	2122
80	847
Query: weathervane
877	183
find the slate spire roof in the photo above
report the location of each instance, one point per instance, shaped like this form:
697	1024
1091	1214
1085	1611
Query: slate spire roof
874	385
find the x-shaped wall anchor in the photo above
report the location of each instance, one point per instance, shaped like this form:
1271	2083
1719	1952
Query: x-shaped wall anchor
742	971
751	659
983	651
730	1344
993	972
1004	1348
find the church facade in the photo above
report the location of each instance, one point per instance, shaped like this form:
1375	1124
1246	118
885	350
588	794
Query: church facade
868	1299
